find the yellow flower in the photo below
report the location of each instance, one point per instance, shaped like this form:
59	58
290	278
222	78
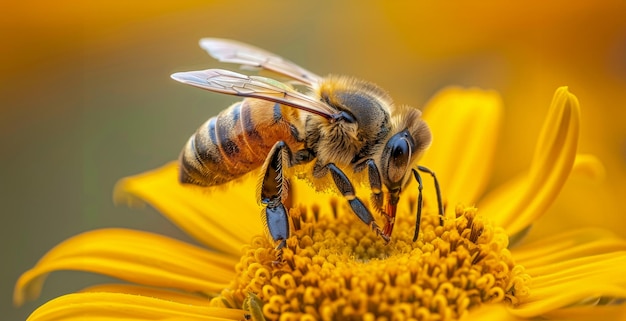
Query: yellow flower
496	44
335	268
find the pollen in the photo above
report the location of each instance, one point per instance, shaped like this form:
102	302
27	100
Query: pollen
336	268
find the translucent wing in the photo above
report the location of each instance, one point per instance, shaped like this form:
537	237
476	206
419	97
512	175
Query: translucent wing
232	83
244	54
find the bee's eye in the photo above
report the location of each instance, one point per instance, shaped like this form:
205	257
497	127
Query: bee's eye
399	159
396	158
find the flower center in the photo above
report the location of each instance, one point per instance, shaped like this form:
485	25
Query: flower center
336	268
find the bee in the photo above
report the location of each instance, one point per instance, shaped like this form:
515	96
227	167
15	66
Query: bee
338	124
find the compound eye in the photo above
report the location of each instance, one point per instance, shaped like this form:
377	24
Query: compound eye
399	156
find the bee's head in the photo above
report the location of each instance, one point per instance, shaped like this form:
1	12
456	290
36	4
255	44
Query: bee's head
410	136
396	160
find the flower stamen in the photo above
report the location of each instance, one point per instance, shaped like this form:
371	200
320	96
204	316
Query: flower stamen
336	269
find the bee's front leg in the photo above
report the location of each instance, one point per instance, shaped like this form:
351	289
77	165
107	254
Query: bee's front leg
273	192
440	208
377	190
373	176
347	190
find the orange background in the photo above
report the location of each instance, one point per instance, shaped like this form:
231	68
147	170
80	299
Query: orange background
86	96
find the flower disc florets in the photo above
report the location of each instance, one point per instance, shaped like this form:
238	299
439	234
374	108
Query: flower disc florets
336	268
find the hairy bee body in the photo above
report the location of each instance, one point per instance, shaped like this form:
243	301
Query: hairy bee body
344	127
237	141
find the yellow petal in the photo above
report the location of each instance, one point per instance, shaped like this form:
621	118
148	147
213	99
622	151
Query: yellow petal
134	256
465	124
592	266
589	166
220	217
169	295
589	313
518	205
562	296
119	306
584	165
573	281
492	312
566	246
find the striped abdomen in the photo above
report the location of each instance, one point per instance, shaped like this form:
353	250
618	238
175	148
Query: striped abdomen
237	141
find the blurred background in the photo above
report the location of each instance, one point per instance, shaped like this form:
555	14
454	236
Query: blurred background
86	97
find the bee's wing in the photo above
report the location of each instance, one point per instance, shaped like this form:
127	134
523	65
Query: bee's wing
240	53
232	83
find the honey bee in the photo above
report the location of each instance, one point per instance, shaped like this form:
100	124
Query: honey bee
340	124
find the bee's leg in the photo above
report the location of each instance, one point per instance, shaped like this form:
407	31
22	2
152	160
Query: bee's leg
273	191
418	178
375	184
377	197
303	156
347	190
437	190
418	216
377	193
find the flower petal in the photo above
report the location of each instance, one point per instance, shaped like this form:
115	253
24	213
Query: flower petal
567	246
175	296
518	205
591	266
134	256
495	312
219	217
589	313
584	165
465	123
119	306
571	282
589	166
